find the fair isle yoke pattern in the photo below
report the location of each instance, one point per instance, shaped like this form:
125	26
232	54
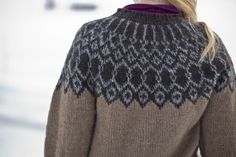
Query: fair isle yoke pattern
132	60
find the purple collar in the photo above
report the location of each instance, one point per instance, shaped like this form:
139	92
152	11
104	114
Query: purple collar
152	8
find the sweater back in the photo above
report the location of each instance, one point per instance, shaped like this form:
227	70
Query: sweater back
132	86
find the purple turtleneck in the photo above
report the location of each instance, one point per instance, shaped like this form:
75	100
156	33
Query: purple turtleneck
153	8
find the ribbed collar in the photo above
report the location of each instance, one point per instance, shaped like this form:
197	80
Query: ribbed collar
150	18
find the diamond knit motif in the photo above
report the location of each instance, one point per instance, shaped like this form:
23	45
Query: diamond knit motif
122	59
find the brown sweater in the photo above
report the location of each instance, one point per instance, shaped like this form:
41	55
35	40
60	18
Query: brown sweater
132	86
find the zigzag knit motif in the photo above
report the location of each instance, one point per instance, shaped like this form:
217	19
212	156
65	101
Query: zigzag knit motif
128	60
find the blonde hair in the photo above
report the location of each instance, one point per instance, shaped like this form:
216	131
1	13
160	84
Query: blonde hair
188	7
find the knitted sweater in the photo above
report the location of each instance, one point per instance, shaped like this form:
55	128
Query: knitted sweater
132	86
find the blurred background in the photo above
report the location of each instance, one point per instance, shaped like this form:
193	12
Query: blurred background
35	37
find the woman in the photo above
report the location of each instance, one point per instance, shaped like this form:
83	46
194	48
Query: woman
146	81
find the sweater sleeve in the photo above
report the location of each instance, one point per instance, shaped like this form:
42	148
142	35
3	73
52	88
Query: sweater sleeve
72	113
218	123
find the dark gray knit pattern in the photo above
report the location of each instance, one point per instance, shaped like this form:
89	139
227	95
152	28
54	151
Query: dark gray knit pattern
127	59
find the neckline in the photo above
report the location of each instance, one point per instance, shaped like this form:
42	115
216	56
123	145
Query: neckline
150	18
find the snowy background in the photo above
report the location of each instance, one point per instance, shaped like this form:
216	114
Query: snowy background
33	45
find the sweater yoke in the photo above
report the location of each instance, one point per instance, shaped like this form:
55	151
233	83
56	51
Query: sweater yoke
126	60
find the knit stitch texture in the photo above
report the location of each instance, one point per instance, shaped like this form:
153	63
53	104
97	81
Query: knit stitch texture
120	59
131	86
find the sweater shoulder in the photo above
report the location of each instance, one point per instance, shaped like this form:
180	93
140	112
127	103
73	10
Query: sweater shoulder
97	24
224	65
